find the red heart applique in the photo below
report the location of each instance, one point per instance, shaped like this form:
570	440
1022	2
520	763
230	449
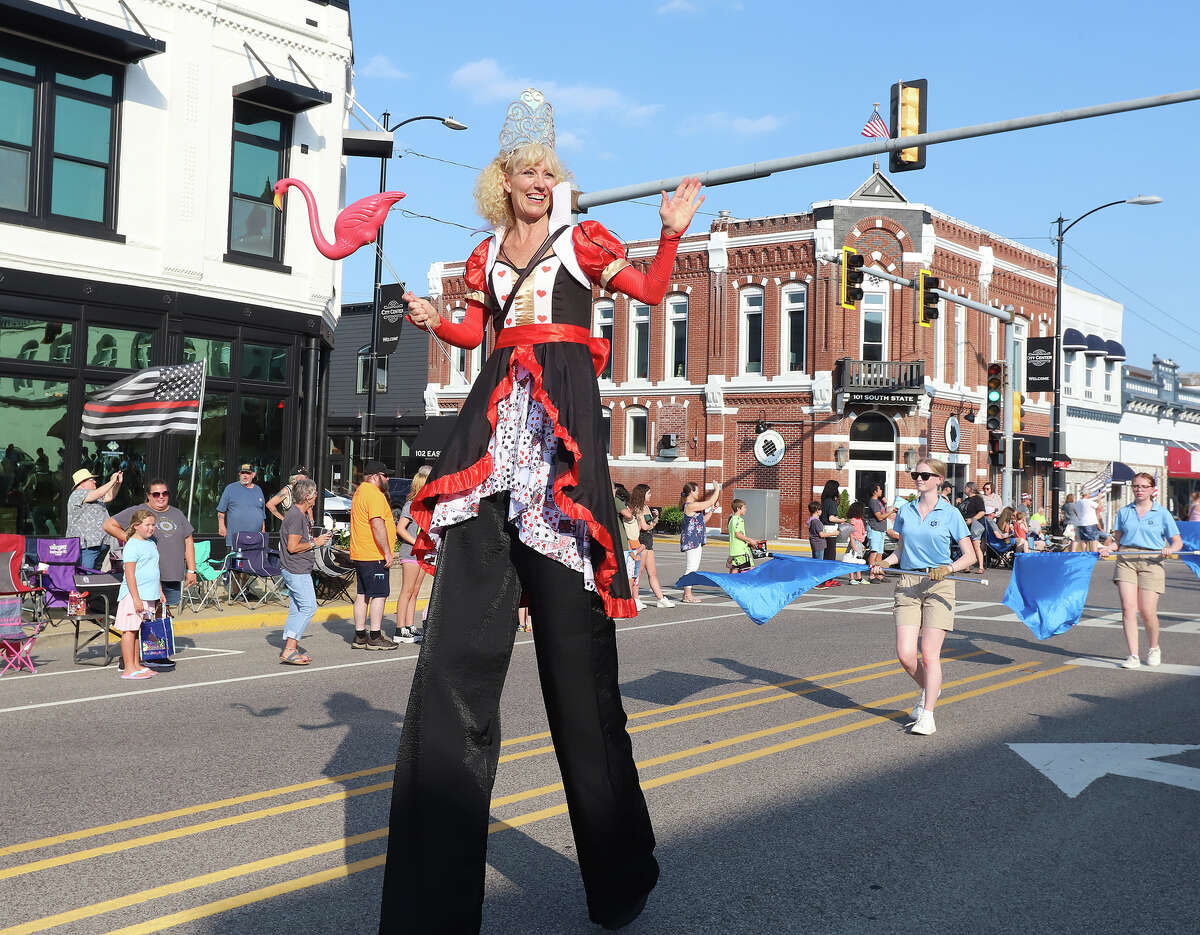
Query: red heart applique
545	269
500	273
542	319
541	293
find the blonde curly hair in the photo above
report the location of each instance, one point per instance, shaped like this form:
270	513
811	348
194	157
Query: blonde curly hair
491	199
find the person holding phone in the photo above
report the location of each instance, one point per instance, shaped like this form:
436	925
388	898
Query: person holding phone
297	559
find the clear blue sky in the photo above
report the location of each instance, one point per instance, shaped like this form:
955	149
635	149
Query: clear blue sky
656	89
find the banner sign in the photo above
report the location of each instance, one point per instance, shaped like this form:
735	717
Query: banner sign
392	309
1039	365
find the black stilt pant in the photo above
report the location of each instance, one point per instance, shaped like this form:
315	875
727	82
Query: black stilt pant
450	744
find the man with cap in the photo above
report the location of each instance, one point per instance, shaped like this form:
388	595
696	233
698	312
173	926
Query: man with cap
86	514
373	551
242	507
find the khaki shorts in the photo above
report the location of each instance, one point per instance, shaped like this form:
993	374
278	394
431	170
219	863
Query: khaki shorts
920	602
1147	573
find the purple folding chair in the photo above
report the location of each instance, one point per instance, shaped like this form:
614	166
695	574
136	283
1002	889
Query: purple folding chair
60	560
254	558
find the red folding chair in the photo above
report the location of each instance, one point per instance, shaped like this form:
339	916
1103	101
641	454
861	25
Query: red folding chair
16	643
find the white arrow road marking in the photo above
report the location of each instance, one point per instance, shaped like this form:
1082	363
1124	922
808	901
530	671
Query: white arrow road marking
1075	766
1166	668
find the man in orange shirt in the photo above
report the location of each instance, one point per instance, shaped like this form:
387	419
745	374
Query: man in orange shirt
372	549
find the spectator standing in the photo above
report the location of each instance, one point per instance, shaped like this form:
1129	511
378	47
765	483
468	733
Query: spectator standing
373	551
973	511
829	516
407	530
877	516
693	535
140	590
993	503
946	491
86	514
279	504
858	536
630	533
1088	524
740	559
647	518
242	507
296	556
817	537
1070	522
1194	510
173	537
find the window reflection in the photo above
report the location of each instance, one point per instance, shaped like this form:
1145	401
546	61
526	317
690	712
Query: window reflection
119	347
217	353
210	476
31	466
260	439
264	362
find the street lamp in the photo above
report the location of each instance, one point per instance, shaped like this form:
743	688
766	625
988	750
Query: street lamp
1056	446
369	439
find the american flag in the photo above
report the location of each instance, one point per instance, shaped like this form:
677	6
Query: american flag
875	127
151	401
1098	485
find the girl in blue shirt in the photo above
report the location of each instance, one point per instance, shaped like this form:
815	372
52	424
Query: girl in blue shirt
924	601
141	589
1146	526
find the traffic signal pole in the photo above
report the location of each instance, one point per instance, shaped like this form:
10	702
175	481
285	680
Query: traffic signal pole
760	170
1003	314
1010	359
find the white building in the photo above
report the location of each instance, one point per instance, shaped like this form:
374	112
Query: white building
139	144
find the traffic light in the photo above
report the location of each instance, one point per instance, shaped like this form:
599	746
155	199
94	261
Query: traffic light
908	119
927	300
995	396
1018	410
852	277
996	450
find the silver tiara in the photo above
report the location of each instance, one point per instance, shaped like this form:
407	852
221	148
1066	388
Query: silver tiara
530	119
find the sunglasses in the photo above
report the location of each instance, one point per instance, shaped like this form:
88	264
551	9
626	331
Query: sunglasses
159	493
923	475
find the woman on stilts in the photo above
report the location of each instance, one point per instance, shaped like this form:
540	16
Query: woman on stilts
924	600
521	501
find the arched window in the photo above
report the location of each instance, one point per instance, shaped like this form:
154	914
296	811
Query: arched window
639	341
603	319
28	351
676	343
637	424
794	326
750	330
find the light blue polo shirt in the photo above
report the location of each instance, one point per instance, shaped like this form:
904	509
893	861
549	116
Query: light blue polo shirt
1152	531
926	542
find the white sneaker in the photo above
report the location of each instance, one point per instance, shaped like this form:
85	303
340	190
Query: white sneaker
924	725
919	707
1132	662
1154	657
639	605
666	602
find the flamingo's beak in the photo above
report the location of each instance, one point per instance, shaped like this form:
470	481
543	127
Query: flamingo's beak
279	201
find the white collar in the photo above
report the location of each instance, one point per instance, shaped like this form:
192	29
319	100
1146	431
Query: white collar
564	249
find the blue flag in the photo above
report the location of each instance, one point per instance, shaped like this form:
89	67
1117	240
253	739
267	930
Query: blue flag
765	590
1190	534
1047	590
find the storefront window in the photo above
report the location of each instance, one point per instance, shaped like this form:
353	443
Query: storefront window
32	499
210	478
217	353
118	347
264	362
260	439
33	339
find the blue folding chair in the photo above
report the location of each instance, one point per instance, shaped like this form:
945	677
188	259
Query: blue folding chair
997	552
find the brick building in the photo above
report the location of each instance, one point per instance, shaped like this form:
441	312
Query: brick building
750	341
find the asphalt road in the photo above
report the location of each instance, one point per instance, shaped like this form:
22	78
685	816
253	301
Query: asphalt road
237	795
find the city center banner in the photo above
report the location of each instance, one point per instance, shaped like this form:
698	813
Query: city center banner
1039	366
392	309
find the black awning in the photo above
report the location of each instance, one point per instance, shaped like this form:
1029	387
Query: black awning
432	437
288	96
63	28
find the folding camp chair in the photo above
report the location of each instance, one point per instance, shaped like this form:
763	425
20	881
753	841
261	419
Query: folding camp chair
998	552
59	561
332	574
208	579
16	643
256	561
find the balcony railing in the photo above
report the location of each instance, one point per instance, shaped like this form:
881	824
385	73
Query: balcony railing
881	376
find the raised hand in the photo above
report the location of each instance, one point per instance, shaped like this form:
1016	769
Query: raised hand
421	312
678	210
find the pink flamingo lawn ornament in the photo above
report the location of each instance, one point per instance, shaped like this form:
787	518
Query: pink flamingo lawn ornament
354	227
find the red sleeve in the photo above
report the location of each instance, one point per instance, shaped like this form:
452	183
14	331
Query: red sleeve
469	332
602	258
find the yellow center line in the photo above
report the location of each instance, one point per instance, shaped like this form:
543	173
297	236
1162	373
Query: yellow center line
206	910
377	770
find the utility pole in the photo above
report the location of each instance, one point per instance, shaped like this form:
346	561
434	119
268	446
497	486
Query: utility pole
1010	359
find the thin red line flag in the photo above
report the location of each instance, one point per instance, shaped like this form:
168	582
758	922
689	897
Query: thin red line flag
150	402
875	127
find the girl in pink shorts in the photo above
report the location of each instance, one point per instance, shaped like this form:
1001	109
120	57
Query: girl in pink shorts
140	591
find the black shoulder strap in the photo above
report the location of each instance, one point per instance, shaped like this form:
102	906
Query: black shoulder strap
538	256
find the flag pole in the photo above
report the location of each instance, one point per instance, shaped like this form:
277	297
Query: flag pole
196	443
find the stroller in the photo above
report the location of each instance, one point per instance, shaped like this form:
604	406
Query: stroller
333	574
